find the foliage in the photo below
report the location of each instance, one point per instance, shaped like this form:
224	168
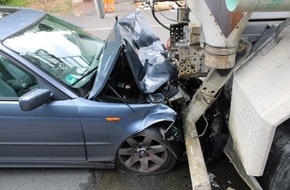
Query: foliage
3	2
52	6
19	3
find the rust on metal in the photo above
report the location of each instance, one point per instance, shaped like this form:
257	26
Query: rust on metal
220	58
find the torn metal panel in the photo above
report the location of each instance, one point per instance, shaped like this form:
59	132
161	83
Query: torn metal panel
145	53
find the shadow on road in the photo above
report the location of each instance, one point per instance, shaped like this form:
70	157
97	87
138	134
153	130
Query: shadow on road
222	175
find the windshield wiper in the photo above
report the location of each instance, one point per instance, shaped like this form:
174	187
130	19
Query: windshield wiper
88	73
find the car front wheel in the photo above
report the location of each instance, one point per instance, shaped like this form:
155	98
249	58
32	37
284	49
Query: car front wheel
145	153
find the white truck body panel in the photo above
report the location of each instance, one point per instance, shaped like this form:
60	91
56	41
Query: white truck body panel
260	102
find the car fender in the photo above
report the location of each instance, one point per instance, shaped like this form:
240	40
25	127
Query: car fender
153	115
161	117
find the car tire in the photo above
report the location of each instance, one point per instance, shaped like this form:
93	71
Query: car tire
277	171
145	153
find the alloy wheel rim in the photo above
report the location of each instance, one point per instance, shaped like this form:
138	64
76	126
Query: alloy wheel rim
142	154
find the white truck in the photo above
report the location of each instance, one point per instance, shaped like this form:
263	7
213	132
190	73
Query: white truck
242	103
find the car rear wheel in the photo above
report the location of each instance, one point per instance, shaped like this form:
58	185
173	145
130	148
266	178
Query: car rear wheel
144	153
277	171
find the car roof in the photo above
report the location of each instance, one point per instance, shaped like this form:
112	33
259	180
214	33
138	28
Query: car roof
14	20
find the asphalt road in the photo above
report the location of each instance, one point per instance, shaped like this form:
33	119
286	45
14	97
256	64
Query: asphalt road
222	174
101	27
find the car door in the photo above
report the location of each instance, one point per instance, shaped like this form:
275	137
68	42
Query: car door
49	133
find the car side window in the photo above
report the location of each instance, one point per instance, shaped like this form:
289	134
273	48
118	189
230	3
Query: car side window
14	81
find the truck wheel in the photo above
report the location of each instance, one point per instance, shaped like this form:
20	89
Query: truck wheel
277	171
144	153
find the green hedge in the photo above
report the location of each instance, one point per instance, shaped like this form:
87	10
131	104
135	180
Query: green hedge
13	2
3	2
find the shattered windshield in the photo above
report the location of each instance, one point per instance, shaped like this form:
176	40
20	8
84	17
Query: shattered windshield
64	51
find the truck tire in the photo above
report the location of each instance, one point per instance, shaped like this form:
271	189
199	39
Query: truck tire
277	171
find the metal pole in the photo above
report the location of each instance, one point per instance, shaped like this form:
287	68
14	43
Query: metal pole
197	168
100	8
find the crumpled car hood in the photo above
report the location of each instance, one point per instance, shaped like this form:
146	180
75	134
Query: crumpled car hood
144	51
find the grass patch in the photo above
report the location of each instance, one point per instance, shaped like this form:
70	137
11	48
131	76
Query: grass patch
18	3
51	6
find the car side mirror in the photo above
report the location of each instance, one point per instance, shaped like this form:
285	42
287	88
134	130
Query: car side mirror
34	99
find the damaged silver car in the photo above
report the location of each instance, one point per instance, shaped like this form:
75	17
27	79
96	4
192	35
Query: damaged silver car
69	99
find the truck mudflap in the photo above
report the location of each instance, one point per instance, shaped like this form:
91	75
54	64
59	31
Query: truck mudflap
251	181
